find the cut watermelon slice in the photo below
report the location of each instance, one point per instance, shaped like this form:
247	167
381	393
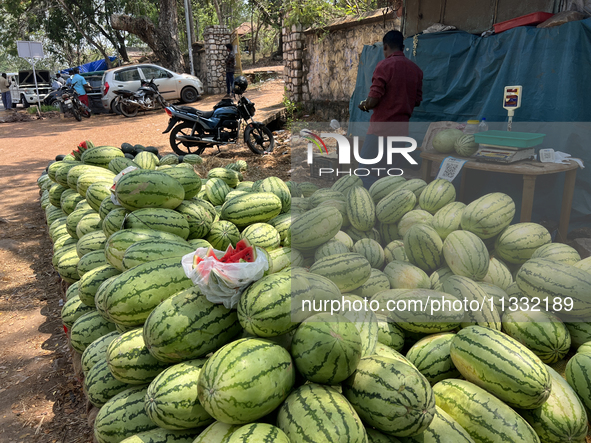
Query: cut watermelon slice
247	254
242	244
211	253
228	255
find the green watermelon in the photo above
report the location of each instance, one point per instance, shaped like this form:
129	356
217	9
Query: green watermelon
100	385
431	356
149	189
489	215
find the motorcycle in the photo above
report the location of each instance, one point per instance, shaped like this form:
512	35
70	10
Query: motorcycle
68	101
192	130
146	98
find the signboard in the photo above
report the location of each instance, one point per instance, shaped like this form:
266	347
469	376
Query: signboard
30	49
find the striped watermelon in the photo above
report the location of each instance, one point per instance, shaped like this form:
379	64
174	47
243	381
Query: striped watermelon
90	282
55	194
87	329
276	186
423	247
326	348
216	190
199	243
168	159
118	243
436	195
562	418
90	261
222	234
388	232
74	309
376	282
114	221
67	265
502	366
498	274
83	204
577	376
265	308
558	252
448	219
331	247
63	241
412	218
466	255
584	264
149	250
346	183
97	351
443	428
565	285
321	288
385	186
431	356
129	360
541	332
92	241
324	194
488	215
198	217
149	189
380	385
580	333
100	385
282	258
158	219
123	416
251	208
500	297
259	433
480	309
403	275
135	293
72	291
101	155
393	206
187	326
262	235
416	185
192	159
96	193
58	228
395	251
517	243
217	432
73	219
53	213
75	173
483	416
234	193
146	160
317	413
188	178
205	205
349	271
365	321
390	334
118	164
61	172
58	254
439	276
106	206
466	146
282	223
585	348
171	399
308	188
413	311
361	209
69	199
315	227
388	352
86	180
371	250
356	234
88	223
344	239
245	380
230	177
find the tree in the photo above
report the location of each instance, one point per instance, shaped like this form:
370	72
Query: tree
162	39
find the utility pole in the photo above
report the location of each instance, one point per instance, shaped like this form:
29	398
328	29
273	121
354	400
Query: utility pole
189	37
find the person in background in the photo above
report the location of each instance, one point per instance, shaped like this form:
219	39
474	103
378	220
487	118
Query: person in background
78	83
69	79
55	84
60	79
396	89
5	90
230	67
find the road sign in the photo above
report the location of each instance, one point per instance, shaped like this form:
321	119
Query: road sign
31	51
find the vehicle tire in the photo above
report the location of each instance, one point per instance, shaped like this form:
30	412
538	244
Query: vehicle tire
55	103
181	147
259	138
115	109
76	114
189	94
127	111
24	102
85	112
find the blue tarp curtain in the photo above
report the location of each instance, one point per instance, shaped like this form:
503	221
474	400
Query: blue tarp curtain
464	77
98	65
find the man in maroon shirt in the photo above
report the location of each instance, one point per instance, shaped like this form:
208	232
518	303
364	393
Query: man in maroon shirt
396	89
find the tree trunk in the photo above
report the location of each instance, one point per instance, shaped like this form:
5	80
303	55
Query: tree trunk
191	23
163	40
218	11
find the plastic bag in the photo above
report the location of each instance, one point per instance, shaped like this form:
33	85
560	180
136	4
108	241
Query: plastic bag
116	179
223	282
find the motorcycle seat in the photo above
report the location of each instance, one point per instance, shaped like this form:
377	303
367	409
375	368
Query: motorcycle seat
192	110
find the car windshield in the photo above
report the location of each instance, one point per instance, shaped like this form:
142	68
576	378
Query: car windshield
151	72
127	75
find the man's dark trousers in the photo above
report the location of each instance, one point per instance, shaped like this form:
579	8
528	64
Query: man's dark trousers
229	82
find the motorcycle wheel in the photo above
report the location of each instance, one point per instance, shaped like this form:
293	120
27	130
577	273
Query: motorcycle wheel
163	102
84	111
181	147
128	111
76	114
259	139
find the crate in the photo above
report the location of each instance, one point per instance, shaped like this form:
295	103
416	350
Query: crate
534	18
321	161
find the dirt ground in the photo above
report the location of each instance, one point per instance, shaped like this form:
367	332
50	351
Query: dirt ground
40	398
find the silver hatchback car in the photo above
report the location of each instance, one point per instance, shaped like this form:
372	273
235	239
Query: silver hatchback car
184	87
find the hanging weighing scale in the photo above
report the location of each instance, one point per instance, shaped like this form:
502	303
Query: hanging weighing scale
511	102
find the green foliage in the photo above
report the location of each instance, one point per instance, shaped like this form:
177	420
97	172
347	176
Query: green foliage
44	108
292	110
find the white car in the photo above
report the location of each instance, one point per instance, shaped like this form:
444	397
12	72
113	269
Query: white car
184	87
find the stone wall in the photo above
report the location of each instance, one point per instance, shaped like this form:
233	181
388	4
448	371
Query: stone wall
215	39
200	63
322	74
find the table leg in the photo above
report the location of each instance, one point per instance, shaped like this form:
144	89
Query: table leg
567	203
527	198
426	170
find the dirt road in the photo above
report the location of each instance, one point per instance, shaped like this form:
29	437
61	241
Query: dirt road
40	399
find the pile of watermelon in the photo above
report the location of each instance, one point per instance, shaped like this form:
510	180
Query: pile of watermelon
300	359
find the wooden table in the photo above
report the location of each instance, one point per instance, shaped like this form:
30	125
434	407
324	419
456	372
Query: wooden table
530	170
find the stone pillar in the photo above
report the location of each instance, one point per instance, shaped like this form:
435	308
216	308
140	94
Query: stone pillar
215	39
293	56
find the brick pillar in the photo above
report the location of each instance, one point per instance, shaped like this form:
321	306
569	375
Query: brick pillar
293	55
215	39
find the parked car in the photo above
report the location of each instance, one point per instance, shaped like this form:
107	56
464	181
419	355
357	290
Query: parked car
184	87
22	89
94	79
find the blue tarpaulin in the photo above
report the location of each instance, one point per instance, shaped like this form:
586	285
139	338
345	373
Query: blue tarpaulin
464	78
98	65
